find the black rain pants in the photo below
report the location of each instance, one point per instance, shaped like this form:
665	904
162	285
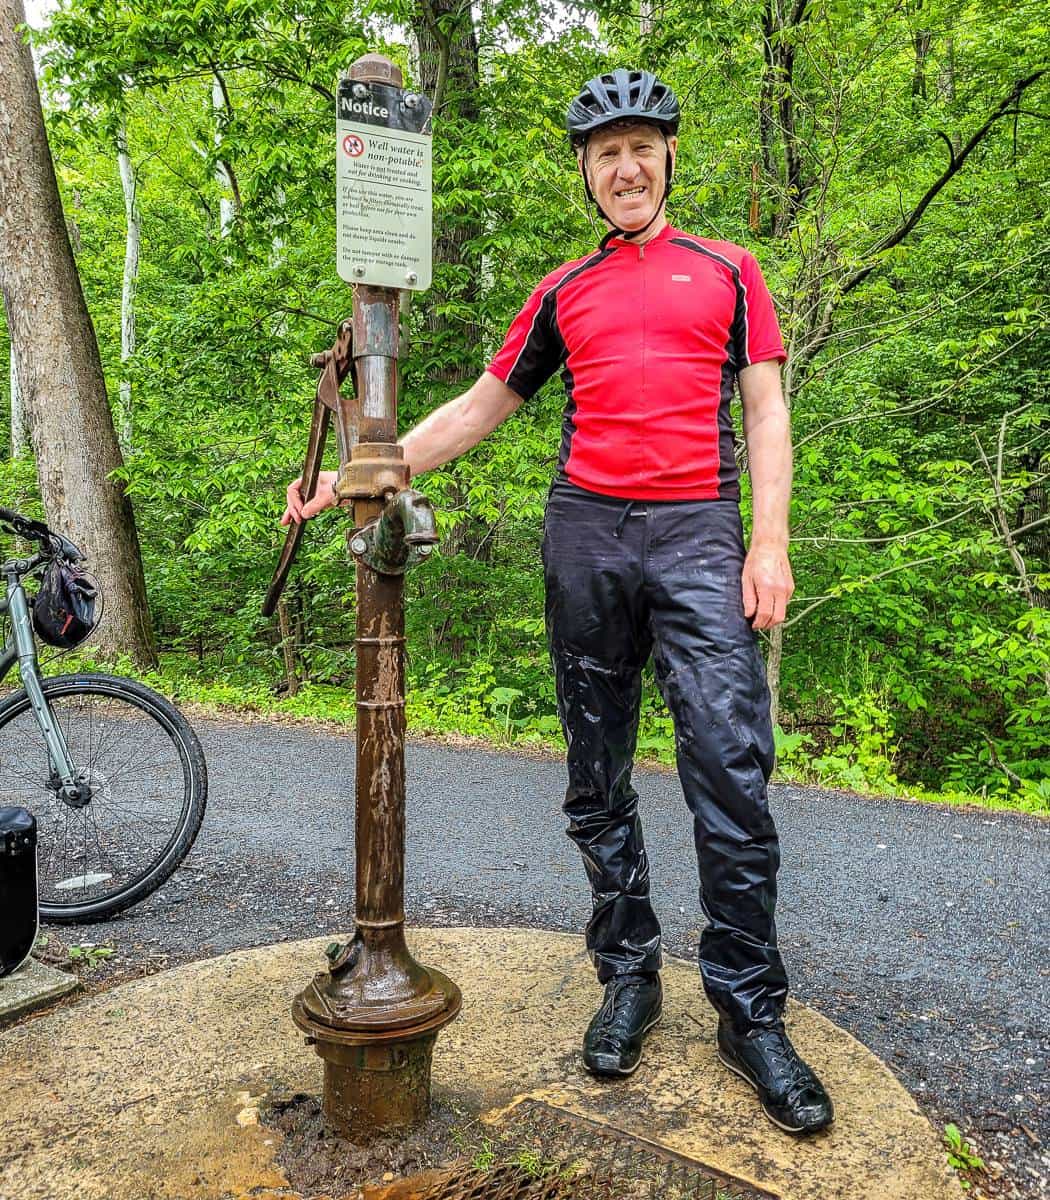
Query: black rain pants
626	579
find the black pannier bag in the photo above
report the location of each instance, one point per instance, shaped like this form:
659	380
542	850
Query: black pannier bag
18	895
64	607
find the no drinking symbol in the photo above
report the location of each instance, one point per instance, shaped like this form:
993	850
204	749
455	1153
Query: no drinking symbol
353	145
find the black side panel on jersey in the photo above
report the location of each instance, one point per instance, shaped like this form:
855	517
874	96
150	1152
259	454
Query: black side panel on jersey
544	348
728	471
568	423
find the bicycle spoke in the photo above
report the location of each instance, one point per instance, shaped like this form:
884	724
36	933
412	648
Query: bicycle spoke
108	737
103	854
134	815
126	764
161	763
34	781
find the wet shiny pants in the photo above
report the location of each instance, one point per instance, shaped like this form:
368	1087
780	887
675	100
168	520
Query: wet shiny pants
625	581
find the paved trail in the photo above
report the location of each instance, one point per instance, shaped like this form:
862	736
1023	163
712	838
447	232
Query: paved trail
922	930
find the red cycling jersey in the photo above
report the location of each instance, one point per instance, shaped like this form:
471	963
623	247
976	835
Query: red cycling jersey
650	340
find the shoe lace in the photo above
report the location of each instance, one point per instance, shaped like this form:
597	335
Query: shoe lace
789	1071
615	1012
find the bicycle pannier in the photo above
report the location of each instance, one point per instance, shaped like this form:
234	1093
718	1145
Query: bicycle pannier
64	607
18	897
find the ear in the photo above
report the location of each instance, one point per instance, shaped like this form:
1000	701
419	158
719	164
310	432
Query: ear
672	150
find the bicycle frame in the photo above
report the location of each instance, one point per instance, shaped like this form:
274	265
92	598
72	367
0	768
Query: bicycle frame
21	648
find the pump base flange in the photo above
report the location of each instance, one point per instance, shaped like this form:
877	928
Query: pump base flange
377	1080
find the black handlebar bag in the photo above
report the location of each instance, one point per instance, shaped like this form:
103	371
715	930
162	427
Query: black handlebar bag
64	606
18	894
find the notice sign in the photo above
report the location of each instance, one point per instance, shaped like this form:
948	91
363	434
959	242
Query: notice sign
384	207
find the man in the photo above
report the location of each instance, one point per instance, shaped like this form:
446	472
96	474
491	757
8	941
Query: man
643	554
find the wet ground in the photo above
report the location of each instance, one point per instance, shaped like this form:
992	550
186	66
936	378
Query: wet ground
921	930
318	1161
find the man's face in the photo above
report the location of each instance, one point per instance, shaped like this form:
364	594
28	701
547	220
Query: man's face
626	168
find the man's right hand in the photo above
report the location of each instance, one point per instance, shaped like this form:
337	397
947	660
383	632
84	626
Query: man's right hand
300	510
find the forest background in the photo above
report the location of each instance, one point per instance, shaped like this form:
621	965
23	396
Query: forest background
886	162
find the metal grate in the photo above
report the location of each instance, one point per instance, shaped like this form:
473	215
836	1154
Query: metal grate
498	1183
550	1154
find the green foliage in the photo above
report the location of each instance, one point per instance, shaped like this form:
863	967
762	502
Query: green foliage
89	955
961	1156
861	756
485	1157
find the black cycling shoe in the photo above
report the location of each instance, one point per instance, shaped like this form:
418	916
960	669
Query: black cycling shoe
612	1044
791	1094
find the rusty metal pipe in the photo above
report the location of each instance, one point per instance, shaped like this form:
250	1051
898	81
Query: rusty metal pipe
377	375
374	1015
380	646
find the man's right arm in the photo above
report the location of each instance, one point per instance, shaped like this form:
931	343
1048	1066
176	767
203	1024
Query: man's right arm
459	425
449	431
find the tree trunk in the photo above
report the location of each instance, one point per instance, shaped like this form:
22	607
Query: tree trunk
59	368
921	43
229	206
946	87
131	274
19	438
449	73
288	648
647	17
774	657
777	111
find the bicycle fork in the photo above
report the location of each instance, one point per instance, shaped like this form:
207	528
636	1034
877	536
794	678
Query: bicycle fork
62	768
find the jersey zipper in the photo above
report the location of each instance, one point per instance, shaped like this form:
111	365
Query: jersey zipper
645	339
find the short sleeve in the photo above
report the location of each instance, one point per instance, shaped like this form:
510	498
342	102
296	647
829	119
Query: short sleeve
533	348
756	333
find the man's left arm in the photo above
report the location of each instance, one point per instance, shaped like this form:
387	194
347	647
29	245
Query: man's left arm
767	581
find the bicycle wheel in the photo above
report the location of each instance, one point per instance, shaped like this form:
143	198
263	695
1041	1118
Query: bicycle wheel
148	790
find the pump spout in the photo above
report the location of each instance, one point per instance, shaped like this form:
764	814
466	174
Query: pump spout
405	532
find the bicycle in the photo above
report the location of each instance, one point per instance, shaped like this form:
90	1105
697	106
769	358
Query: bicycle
111	770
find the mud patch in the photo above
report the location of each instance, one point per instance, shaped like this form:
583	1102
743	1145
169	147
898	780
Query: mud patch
317	1161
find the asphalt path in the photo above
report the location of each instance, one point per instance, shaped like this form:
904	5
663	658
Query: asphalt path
920	929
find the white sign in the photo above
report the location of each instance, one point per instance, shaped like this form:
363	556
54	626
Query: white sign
384	202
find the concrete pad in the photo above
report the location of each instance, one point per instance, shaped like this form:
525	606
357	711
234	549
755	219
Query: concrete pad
150	1090
31	987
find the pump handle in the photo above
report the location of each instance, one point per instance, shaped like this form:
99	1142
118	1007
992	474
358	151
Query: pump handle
336	364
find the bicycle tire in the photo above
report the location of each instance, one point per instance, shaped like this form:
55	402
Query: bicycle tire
114	714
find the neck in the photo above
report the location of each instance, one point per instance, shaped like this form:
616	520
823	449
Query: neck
658	224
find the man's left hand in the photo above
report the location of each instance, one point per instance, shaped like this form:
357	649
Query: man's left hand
767	585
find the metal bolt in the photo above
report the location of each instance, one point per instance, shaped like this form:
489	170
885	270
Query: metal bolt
425	550
358	545
411	276
359	271
360	91
411	100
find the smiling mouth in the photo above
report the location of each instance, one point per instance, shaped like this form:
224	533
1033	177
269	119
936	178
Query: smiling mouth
630	193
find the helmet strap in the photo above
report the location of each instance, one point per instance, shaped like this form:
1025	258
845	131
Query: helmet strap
627	234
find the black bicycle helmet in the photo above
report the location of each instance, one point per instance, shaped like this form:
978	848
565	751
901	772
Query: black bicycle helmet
622	95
